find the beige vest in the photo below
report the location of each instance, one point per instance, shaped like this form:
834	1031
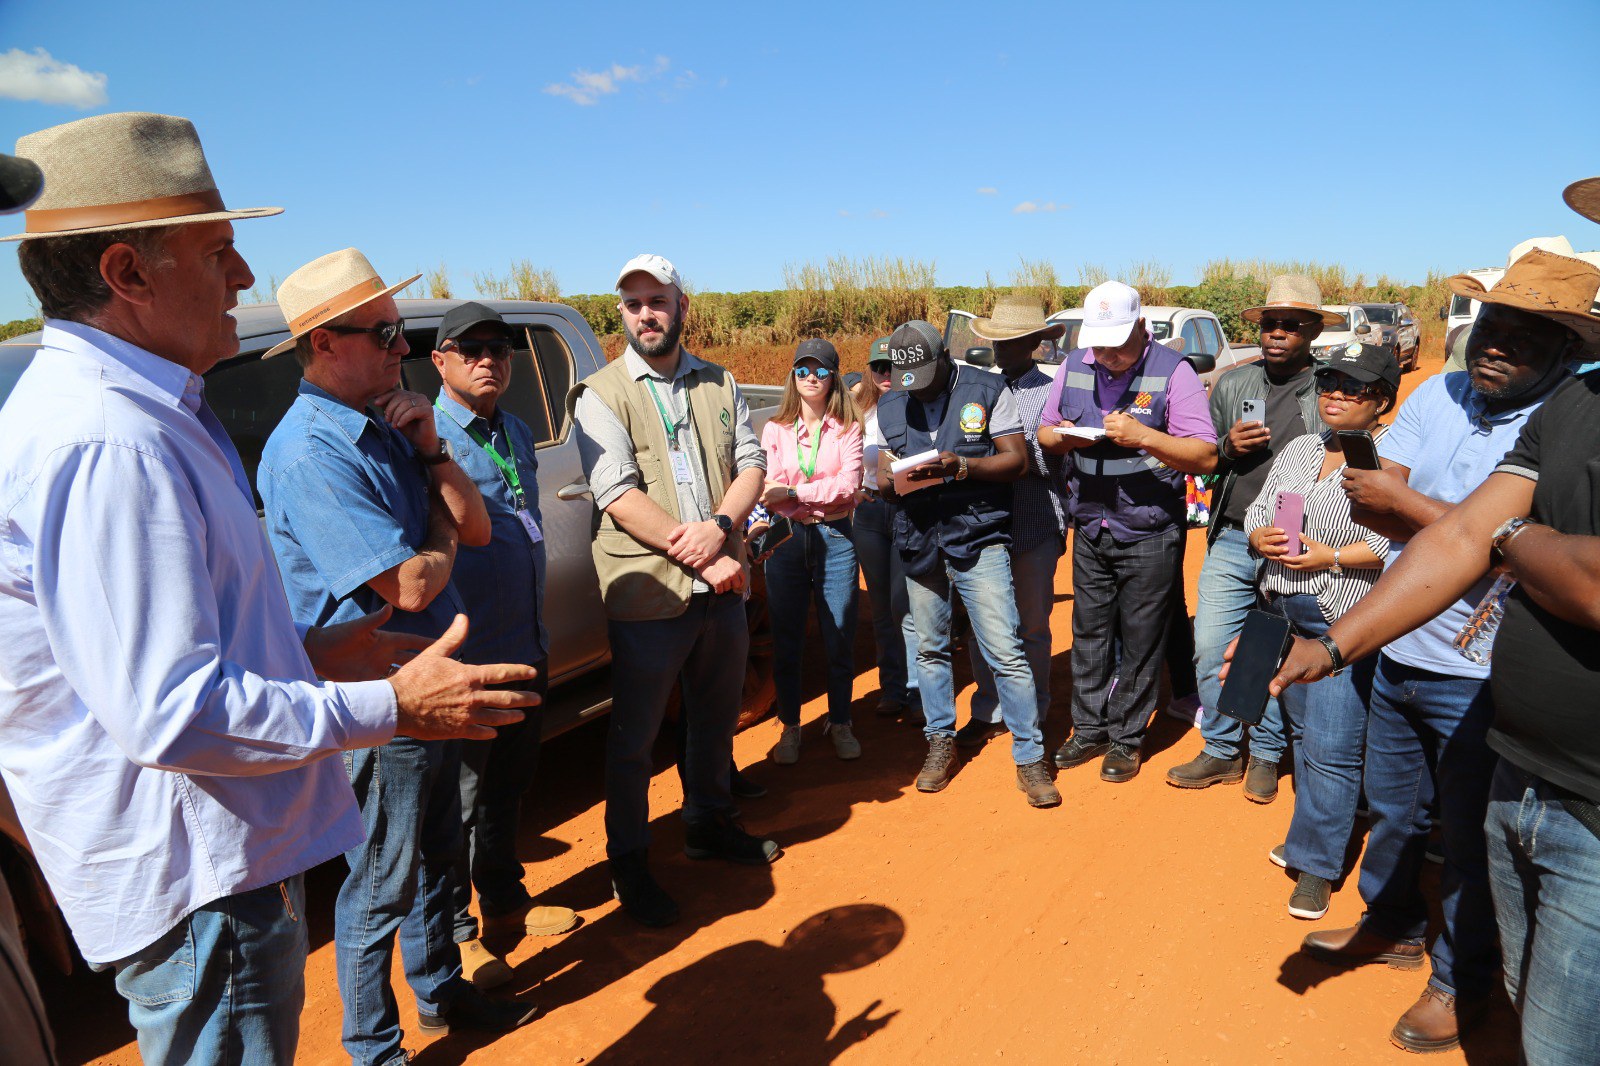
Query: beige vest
638	582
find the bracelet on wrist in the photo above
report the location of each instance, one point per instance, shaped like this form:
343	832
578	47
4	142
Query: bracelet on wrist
1334	654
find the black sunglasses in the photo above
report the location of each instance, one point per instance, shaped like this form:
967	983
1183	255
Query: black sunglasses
880	366
386	333
1328	384
1288	325
475	349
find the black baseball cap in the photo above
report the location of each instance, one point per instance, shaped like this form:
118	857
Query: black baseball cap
463	317
1364	362
820	350
915	349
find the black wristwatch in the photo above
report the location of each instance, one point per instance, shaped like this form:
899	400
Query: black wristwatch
723	522
1333	652
444	455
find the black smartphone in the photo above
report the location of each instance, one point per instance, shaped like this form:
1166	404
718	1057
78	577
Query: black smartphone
778	531
1360	453
1263	645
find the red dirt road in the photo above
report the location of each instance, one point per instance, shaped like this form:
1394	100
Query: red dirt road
1134	924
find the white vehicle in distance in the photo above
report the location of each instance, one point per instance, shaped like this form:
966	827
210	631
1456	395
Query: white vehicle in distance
1190	330
1356	328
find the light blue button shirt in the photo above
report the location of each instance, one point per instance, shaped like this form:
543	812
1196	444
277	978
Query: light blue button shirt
162	733
1450	442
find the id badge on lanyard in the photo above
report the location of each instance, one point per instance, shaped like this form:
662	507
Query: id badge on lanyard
680	466
529	525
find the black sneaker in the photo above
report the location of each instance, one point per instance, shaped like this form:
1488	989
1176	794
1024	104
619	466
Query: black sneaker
720	837
976	734
1310	897
642	899
744	788
472	1009
1077	751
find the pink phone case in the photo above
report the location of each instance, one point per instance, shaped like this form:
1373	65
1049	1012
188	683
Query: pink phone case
1289	515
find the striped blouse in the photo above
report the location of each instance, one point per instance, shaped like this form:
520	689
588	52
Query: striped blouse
1297	468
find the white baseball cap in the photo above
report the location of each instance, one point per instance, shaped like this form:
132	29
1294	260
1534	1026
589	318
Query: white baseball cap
1109	313
658	267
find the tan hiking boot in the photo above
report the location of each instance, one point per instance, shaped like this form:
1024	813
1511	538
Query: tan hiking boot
1434	1022
1034	779
940	765
482	967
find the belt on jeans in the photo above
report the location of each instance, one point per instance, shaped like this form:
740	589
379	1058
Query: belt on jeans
822	519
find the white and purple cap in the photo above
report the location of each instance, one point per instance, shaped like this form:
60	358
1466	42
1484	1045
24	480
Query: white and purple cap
1109	313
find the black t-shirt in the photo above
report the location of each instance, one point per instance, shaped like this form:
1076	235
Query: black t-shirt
1285	423
1545	674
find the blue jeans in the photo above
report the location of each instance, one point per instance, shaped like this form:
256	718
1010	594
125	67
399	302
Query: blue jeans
1227	591
401	881
893	631
985	587
1034	574
815	565
1544	869
705	649
1426	745
224	985
1328	720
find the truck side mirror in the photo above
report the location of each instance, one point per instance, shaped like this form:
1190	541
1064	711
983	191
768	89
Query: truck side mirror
1202	363
1444	313
979	356
1363	329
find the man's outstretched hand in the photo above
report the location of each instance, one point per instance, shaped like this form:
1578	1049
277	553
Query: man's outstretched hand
438	698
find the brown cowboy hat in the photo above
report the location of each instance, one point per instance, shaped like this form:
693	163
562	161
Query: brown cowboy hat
1584	198
1017	316
1557	287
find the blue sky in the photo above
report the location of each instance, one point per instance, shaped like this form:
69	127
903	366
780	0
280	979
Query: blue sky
737	138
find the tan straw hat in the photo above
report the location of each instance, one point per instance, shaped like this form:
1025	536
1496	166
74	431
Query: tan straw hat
130	170
1584	198
1558	287
326	288
1017	316
1294	292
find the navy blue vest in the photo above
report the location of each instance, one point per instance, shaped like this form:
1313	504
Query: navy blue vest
958	518
1135	494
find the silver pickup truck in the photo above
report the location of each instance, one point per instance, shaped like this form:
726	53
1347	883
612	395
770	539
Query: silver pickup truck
250	395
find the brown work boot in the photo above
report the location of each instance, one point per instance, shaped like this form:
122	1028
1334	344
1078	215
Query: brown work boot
940	765
1261	781
1034	779
482	967
1433	1023
1204	770
532	919
1356	946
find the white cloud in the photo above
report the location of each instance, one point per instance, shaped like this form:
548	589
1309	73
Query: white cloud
1031	207
880	213
987	190
586	87
843	213
39	76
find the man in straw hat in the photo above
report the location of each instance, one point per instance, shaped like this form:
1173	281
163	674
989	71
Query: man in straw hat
163	731
1283	400
365	507
1038	508
1432	730
1132	415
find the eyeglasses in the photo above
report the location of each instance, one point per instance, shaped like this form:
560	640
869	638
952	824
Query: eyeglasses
821	373
1288	325
880	366
1327	384
474	349
385	333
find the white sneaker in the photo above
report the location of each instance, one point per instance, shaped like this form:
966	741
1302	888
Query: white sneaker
845	744
787	751
1187	710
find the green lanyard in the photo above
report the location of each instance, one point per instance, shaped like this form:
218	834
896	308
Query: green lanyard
666	423
508	467
808	464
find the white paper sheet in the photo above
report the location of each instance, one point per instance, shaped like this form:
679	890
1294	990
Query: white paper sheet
901	467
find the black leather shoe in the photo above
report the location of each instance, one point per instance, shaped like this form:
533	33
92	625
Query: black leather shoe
642	899
720	837
744	788
1077	751
472	1009
1120	764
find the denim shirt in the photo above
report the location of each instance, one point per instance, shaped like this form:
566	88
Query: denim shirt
501	583
345	499
162	732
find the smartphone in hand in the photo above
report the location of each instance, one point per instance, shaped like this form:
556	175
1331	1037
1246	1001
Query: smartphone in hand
1263	645
1360	452
1289	515
1253	410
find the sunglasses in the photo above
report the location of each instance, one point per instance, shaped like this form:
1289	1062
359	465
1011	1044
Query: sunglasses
881	366
475	349
1327	384
1288	325
821	373
385	333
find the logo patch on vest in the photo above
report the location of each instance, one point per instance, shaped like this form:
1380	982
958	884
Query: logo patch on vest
973	418
726	419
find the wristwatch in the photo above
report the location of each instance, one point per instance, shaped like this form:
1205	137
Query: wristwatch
792	494
1333	652
1336	569
723	522
444	455
1502	536
961	468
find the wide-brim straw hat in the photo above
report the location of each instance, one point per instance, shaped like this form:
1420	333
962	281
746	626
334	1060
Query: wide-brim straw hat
326	288
1294	292
1557	287
1584	198
1017	316
130	170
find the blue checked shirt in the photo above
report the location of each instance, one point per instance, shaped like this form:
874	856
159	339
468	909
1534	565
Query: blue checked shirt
1038	506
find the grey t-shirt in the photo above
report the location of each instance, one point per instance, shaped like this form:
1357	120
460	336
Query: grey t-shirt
1285	423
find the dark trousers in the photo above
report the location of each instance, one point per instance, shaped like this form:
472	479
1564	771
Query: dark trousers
494	775
1122	593
705	648
1180	633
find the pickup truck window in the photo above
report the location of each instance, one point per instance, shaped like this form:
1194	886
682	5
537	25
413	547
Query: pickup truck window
1190	335
1211	337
